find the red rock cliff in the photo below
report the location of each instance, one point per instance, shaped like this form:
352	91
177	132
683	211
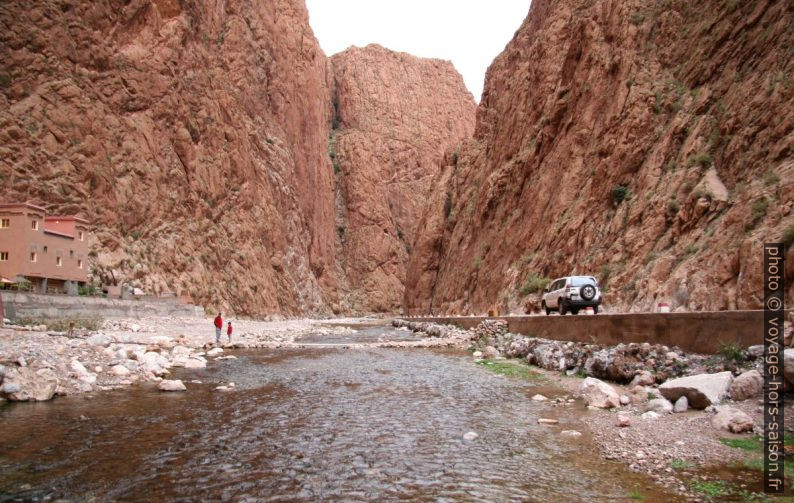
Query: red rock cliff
193	135
396	114
648	143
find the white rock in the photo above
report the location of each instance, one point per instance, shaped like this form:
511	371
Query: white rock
599	394
88	378
571	433
547	421
97	369
195	363
642	378
214	351
701	390
539	398
171	385
624	400
650	415
120	370
624	420
135	327
223	388
470	435
681	405
78	368
731	419
660	406
99	340
24	384
477	354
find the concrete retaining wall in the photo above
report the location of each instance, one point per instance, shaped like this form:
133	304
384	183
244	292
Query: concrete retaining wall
27	305
700	332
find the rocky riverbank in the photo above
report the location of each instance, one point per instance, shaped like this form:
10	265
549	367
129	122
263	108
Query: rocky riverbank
673	415
37	364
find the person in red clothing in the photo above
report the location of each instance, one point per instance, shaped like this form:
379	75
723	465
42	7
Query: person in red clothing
229	331
218	327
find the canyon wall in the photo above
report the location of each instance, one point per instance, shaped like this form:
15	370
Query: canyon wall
191	133
217	154
395	115
650	144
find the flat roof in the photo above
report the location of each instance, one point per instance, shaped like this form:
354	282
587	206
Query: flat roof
67	218
22	205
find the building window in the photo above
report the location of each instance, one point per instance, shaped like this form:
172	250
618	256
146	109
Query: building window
34	224
3	256
71	253
5	222
45	249
58	262
81	235
32	256
79	264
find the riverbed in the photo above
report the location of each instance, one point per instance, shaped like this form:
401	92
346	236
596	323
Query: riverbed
312	424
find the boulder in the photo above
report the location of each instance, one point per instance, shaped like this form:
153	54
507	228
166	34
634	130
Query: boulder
748	385
701	390
756	351
195	363
650	415
99	340
25	384
788	365
681	405
638	394
171	385
490	352
660	406
624	420
733	420
217	351
642	378
119	370
599	394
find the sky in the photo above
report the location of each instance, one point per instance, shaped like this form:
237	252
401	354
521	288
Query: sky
470	33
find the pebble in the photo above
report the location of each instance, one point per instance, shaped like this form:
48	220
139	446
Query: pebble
547	421
571	433
470	435
539	398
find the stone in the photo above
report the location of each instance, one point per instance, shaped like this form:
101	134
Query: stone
638	395
732	420
539	398
25	384
625	400
623	420
470	435
477	354
171	385
756	351
195	363
135	327
599	394
547	421
490	352
571	433
681	405
78	368
748	385
642	378
701	390
650	415
660	406
215	351
119	370
223	388
788	365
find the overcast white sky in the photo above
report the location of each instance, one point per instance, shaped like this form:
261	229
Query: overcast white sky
470	33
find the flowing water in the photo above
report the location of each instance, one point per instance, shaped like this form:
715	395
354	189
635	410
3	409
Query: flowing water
316	424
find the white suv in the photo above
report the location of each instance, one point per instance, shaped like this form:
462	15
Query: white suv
571	294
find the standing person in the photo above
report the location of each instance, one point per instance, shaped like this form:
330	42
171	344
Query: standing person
218	327
229	331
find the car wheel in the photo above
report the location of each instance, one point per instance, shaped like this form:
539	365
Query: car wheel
595	309
546	308
562	308
574	311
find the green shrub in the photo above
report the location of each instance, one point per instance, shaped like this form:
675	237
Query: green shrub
620	193
478	262
771	178
447	206
534	283
702	159
673	206
758	209
788	236
731	351
637	18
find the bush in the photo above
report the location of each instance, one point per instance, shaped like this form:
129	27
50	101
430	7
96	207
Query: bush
534	283
771	178
758	209
788	236
447	206
620	193
731	351
702	159
673	206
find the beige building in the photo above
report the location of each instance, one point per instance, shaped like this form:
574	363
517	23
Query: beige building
49	251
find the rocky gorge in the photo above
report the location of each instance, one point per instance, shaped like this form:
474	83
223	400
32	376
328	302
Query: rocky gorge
206	140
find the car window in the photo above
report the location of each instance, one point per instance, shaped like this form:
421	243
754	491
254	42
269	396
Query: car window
581	281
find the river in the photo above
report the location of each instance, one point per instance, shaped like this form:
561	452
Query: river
312	424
